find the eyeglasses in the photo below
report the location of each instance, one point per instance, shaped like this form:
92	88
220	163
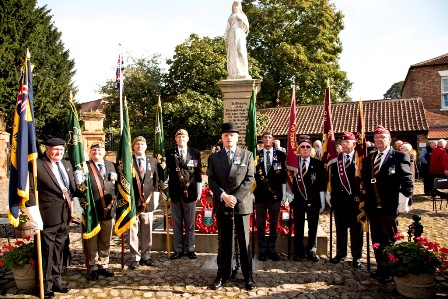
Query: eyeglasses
305	146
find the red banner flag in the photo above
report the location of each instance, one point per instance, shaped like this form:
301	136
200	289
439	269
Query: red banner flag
291	157
360	155
329	153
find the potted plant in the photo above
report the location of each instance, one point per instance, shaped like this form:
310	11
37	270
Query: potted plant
24	228
414	265
19	258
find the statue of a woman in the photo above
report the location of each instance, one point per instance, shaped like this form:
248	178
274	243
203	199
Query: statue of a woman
235	37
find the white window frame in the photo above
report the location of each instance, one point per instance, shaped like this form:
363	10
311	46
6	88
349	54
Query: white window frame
443	89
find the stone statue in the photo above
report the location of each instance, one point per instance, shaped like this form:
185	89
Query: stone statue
235	37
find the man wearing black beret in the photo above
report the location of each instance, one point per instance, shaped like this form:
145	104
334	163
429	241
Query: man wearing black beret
55	185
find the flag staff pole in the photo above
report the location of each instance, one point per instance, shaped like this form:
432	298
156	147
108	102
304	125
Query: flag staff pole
120	61
38	236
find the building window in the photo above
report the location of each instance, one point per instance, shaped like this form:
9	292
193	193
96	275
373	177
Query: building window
444	89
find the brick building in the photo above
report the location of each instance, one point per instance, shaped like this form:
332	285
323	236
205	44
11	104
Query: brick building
429	81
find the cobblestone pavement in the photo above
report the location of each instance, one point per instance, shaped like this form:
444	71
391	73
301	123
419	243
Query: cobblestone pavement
186	278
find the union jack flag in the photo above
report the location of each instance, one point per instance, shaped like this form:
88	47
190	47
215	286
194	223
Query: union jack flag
119	74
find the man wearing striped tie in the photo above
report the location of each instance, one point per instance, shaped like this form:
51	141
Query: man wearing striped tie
386	174
344	204
309	197
145	182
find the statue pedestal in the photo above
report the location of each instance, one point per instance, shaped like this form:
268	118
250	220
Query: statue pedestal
93	129
236	97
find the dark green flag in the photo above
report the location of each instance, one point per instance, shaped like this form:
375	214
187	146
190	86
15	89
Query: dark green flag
251	130
159	153
125	200
91	225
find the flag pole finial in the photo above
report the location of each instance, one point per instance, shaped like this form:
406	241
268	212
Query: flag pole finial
71	96
28	55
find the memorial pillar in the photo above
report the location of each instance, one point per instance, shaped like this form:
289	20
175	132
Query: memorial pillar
236	97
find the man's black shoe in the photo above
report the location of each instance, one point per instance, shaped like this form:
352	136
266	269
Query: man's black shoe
176	255
93	275
133	265
106	272
250	284
356	264
148	262
297	258
262	257
60	288
274	256
217	283
312	257
191	255
49	295
385	279
337	259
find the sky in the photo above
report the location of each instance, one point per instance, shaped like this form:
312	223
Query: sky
381	39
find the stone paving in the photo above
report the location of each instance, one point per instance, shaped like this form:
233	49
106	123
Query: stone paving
186	278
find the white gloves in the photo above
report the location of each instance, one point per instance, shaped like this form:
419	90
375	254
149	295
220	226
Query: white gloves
76	207
328	198
403	204
284	198
156	196
36	220
199	185
322	201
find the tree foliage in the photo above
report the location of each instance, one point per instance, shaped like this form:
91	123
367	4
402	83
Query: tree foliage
24	26
296	41
142	87
394	92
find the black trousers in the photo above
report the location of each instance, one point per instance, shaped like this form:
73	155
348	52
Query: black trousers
273	208
383	227
312	218
345	218
226	244
52	247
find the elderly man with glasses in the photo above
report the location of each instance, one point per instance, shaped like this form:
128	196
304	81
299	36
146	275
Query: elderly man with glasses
309	189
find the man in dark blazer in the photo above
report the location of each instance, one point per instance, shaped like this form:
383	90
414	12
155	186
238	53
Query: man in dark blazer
344	204
270	175
55	185
231	177
185	187
309	197
102	179
145	183
386	174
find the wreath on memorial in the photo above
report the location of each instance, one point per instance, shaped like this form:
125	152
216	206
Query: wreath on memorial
206	225
283	224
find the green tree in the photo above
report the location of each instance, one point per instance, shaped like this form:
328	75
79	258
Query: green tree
24	25
296	41
394	92
142	87
196	113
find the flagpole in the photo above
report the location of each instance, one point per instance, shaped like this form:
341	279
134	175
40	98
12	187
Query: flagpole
121	88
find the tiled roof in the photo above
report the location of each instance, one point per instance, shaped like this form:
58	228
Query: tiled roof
396	115
438	133
436	119
442	59
96	106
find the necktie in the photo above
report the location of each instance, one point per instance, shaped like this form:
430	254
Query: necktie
102	170
63	178
141	167
303	168
182	161
376	165
347	162
268	161
230	157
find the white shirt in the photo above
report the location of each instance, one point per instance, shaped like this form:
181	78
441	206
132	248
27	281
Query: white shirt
184	156
143	161
350	155
307	163
55	170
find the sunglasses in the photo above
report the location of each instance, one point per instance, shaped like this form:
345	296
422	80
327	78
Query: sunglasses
305	146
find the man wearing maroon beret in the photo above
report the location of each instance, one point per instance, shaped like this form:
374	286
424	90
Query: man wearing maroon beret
387	173
344	204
